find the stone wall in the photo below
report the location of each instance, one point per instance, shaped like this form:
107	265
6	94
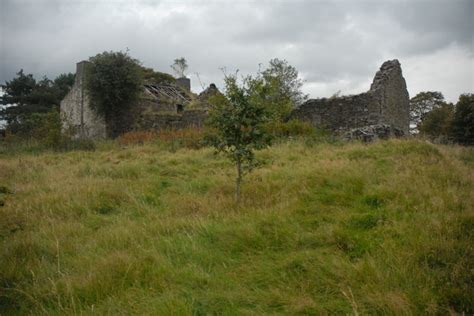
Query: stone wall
160	121
148	103
385	107
386	103
76	113
340	113
149	112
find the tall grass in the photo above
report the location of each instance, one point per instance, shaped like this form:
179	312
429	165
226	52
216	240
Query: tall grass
385	228
192	138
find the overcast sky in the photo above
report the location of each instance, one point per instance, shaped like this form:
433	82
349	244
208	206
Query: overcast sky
335	45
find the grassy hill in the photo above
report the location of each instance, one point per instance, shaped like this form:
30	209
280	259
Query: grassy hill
385	228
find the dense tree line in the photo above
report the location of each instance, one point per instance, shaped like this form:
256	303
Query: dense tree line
24	98
433	117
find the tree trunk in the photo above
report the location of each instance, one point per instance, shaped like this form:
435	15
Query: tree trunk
238	180
115	124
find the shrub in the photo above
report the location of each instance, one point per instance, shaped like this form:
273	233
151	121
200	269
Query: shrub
136	137
191	137
49	129
291	128
43	128
44	132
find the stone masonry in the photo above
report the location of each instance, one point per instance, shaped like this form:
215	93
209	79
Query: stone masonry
381	112
385	107
76	113
158	107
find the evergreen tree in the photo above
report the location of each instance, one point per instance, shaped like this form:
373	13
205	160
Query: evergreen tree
23	96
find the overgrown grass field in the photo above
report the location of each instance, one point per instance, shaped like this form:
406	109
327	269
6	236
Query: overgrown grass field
385	228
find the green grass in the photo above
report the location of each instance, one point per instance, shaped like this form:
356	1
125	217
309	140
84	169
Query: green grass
385	228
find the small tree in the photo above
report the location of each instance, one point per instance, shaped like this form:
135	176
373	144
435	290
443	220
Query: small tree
238	119
180	66
462	130
114	81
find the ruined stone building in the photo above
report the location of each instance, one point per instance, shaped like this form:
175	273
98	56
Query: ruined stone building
160	106
380	112
76	113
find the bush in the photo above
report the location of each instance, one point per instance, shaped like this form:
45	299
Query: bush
43	128
43	131
187	137
77	144
176	138
291	128
136	137
49	129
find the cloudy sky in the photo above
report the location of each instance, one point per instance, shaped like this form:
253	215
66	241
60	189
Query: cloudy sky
335	45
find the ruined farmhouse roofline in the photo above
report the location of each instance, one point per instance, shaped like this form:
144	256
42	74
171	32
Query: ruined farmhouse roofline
382	111
172	91
168	91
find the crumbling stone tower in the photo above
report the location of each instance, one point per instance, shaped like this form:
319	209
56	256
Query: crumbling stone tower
389	89
383	110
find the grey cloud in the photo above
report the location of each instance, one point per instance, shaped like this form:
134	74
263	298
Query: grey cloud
328	41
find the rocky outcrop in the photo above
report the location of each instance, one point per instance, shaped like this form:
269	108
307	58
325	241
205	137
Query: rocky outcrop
385	104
